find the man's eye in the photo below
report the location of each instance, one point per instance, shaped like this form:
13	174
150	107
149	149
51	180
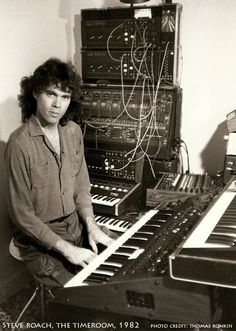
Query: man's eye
50	94
67	97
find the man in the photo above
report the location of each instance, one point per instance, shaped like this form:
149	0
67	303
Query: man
47	179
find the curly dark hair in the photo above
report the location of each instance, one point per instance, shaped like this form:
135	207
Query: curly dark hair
53	71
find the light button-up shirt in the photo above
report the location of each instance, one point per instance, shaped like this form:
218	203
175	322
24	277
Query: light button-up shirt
43	186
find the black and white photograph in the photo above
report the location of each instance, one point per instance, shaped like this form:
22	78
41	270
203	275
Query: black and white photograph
117	165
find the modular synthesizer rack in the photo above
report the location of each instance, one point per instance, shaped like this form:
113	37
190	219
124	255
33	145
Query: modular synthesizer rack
132	119
130	96
144	43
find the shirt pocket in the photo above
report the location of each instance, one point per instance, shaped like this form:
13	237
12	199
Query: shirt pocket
75	163
42	174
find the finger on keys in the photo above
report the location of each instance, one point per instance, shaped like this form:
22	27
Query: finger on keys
93	245
83	264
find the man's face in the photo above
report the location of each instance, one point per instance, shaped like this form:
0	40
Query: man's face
52	104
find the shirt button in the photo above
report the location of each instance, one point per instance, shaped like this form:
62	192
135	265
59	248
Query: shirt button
63	193
66	213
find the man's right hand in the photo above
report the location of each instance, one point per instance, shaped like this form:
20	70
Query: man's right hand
75	255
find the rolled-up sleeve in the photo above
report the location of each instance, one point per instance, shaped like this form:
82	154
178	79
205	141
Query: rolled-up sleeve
19	200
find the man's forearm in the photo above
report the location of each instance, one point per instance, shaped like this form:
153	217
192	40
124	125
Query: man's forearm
63	247
90	223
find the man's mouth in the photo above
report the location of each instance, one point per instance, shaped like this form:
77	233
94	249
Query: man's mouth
54	114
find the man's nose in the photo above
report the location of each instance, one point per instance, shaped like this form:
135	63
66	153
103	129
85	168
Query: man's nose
57	102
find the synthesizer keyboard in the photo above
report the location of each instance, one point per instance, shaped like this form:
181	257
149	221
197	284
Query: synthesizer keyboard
207	255
170	186
104	259
113	197
118	224
134	271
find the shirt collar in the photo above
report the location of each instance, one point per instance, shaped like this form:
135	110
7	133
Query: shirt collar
34	127
35	130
